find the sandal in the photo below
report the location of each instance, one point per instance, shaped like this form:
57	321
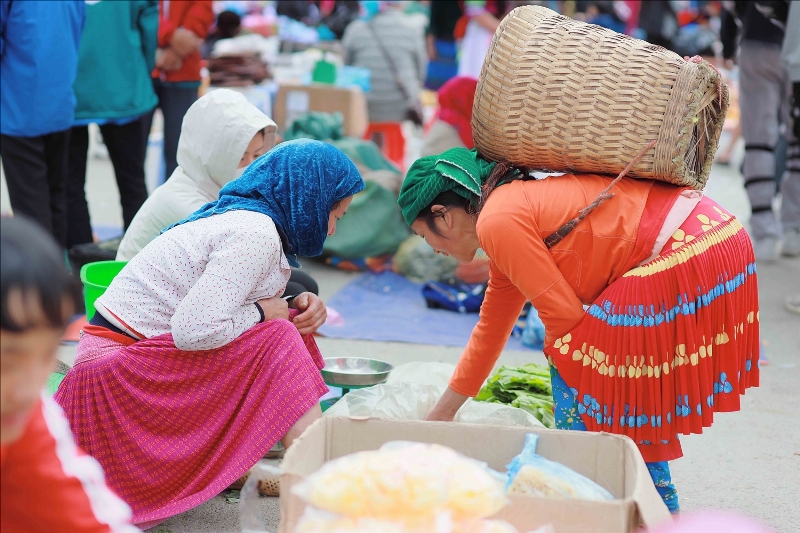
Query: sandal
269	486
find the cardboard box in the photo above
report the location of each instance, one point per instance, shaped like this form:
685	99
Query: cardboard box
293	100
612	461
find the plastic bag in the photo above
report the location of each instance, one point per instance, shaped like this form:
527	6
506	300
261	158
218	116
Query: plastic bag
412	392
418	262
396	401
250	516
403	481
533	335
534	475
454	296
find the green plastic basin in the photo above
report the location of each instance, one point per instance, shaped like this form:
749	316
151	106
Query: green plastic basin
96	277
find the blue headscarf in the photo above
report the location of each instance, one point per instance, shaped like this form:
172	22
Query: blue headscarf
295	184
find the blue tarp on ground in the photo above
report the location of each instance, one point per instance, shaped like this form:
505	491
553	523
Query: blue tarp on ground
388	307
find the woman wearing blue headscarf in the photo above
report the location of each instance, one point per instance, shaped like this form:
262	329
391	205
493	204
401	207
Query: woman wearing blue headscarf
193	367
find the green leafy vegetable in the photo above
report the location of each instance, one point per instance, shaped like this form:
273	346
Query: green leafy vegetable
527	387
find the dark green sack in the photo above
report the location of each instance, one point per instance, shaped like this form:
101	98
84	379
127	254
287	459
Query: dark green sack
372	227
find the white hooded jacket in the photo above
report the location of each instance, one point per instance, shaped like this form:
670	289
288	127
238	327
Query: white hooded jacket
214	135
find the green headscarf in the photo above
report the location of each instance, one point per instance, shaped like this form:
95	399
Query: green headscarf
458	169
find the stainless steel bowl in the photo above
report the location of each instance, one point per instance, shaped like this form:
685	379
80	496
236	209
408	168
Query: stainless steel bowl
355	371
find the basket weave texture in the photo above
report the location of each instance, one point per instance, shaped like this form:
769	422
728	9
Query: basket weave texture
559	94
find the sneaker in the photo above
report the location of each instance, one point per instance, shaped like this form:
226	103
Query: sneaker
792	304
766	249
791	242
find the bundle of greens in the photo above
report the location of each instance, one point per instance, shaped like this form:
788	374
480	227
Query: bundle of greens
527	387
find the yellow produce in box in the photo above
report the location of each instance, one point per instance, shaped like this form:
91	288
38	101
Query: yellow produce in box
403	480
321	522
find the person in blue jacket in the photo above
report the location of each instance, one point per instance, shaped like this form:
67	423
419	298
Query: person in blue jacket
39	44
113	90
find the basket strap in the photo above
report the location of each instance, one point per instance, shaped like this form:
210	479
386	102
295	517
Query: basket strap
390	62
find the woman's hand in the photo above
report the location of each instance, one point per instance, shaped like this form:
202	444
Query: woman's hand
430	40
184	42
168	60
447	406
273	308
312	312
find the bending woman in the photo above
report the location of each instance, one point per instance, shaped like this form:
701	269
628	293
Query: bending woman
190	370
671	332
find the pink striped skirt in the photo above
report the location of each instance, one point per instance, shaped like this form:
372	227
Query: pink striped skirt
174	428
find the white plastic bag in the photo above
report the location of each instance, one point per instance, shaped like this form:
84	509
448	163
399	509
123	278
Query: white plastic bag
411	392
250	517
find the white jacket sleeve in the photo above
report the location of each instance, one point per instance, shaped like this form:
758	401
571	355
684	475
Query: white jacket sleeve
167	205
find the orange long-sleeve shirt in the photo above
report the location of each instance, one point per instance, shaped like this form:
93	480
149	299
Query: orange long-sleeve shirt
512	227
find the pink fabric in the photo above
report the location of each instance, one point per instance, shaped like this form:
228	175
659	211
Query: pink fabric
174	428
714	522
455	106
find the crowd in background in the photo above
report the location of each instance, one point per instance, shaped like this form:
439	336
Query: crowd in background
113	65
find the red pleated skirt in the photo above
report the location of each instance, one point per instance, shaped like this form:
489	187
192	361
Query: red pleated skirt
672	341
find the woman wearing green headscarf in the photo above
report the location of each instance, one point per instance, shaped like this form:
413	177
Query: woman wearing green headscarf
670	333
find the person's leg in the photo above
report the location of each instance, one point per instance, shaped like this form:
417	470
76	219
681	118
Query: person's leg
567	417
790	186
300	279
761	83
79	227
56	151
25	168
174	101
662	479
311	416
125	151
293	289
147	118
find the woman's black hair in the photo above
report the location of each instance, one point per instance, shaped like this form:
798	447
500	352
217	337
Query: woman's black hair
449	200
31	262
228	24
501	173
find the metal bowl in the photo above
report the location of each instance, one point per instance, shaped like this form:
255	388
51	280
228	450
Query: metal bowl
355	371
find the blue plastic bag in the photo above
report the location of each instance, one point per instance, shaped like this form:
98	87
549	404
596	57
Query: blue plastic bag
533	335
533	475
460	297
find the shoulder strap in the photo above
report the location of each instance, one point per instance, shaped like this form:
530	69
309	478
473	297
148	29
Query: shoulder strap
389	61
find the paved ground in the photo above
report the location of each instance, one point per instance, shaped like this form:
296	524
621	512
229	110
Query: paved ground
749	461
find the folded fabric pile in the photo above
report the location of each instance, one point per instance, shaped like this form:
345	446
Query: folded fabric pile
241	70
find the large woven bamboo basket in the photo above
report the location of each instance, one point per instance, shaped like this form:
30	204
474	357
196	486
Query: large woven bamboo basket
559	94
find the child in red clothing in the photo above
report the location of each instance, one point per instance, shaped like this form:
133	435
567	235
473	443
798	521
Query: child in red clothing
46	483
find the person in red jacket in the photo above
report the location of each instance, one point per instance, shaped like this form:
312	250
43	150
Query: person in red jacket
183	25
46	483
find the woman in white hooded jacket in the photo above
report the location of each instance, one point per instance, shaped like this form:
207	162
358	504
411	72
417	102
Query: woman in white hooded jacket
222	133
